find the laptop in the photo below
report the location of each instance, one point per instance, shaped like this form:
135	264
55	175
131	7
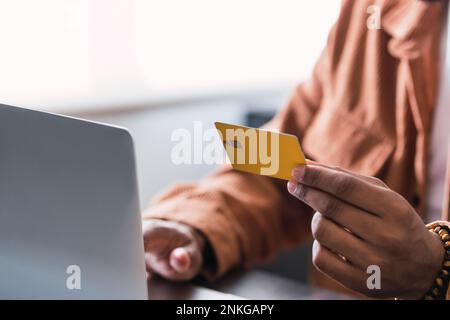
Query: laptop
70	225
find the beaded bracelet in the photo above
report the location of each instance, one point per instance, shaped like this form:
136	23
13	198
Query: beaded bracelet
439	289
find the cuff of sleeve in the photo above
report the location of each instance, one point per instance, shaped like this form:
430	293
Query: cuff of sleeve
433	225
210	221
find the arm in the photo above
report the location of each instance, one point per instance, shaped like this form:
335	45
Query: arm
246	218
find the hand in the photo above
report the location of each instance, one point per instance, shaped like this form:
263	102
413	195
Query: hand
361	222
172	250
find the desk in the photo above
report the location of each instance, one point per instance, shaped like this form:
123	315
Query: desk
240	285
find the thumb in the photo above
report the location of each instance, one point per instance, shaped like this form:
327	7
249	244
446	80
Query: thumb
180	260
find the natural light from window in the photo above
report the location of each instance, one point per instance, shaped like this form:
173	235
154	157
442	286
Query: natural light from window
66	54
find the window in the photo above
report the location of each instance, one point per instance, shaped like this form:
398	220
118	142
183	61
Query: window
64	54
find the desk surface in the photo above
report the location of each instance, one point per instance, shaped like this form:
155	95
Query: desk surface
249	285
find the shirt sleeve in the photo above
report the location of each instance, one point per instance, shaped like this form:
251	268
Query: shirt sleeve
247	218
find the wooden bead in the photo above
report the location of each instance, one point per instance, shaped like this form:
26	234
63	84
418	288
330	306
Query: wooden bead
444	274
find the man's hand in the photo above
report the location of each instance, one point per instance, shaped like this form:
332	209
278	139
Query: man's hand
361	222
172	250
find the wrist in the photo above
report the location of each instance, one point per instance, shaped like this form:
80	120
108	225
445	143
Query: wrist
428	272
439	288
209	264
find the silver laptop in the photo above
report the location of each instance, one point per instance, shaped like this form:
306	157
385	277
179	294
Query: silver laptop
70	223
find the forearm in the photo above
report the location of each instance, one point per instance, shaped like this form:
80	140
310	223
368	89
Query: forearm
245	218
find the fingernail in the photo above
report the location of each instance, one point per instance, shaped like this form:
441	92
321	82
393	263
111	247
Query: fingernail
180	259
297	189
291	186
299	173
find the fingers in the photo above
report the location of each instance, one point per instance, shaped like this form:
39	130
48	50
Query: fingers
180	260
340	241
187	261
346	187
173	251
179	265
345	215
369	179
157	233
351	212
337	268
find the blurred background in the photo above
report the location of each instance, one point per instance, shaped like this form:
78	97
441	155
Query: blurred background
154	66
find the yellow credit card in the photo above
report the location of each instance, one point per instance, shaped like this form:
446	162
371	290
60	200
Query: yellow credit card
260	151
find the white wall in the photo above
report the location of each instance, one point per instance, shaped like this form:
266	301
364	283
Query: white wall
66	55
152	130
